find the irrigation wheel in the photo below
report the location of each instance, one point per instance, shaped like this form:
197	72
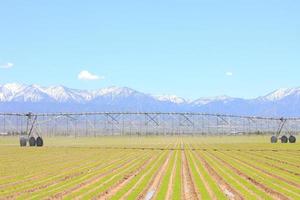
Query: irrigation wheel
39	142
274	139
23	141
32	141
284	139
292	139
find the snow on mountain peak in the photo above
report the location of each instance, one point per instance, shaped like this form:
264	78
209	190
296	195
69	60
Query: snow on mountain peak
63	94
204	101
32	93
115	91
8	90
170	98
282	93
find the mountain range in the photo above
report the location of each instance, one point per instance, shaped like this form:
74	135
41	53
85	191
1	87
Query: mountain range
16	97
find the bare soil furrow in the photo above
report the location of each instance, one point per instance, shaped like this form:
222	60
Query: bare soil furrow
189	189
171	183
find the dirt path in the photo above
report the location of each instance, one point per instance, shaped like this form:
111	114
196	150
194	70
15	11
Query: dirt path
230	192
171	183
113	190
152	190
189	190
274	194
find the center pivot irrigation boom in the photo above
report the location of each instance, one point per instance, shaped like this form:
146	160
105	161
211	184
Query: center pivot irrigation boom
144	123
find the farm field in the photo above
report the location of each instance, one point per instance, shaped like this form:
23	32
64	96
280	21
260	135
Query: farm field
241	167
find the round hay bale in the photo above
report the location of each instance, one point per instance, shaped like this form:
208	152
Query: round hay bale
39	142
23	141
32	141
274	139
284	139
292	139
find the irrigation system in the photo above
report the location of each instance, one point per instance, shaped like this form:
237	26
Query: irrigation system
32	126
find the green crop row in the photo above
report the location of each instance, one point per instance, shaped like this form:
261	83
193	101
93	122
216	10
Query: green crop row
42	171
282	170
161	194
90	173
198	178
266	174
246	189
177	187
125	168
135	181
260	177
100	186
145	181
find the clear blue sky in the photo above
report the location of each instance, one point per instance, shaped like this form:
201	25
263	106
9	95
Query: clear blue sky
190	48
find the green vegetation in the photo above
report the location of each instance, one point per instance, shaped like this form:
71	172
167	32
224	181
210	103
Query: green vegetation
177	186
126	168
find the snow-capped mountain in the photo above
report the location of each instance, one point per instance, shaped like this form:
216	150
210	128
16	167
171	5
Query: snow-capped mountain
281	94
24	98
63	94
8	91
204	101
34	93
170	98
